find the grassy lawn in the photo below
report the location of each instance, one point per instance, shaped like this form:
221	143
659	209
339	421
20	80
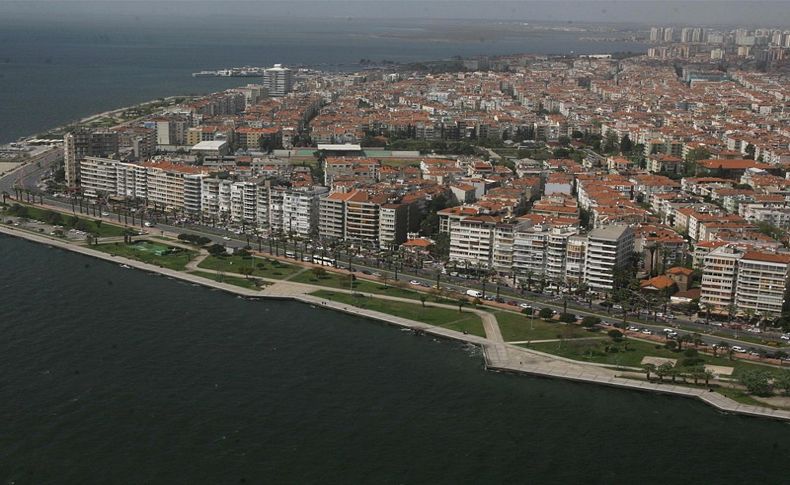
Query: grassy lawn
68	221
152	253
441	317
517	327
262	268
594	351
335	280
252	284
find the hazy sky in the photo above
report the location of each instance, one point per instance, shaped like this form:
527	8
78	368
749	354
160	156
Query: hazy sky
709	12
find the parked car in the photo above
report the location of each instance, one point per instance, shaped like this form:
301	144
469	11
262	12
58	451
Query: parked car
739	349
525	305
414	282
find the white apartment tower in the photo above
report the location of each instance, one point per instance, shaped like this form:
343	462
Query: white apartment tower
609	248
278	80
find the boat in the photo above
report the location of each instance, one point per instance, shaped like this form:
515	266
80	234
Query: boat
126	266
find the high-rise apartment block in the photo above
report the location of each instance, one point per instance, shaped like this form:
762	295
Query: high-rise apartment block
278	80
86	143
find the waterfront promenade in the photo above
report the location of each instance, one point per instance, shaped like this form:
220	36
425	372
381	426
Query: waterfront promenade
498	355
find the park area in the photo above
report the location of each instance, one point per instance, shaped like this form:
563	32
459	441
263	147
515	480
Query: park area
249	283
150	252
248	265
321	277
630	352
452	319
517	327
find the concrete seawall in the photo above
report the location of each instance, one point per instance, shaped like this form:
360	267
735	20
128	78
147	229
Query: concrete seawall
498	356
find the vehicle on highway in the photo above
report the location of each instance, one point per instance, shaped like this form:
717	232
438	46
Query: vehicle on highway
647	331
474	293
525	305
414	282
226	238
739	349
148	224
105	214
785	337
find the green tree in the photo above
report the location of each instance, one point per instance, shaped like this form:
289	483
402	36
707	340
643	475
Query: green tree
590	321
217	250
568	318
318	272
782	382
546	313
626	145
757	382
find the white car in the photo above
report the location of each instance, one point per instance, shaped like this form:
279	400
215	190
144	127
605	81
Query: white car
525	305
105	214
647	332
739	349
226	238
414	282
785	337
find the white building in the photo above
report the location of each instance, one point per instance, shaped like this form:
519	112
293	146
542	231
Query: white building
472	240
761	284
278	80
719	272
609	248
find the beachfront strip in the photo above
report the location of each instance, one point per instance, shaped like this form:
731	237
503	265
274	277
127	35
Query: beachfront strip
480	327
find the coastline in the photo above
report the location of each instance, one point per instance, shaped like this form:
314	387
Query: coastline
498	356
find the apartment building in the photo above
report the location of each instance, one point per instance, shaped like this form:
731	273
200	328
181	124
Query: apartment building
719	277
393	225
299	210
98	176
472	239
609	249
361	219
215	198
244	202
331	215
105	176
761	284
86	143
175	186
502	257
278	80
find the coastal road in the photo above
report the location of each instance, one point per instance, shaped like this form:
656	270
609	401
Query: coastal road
536	300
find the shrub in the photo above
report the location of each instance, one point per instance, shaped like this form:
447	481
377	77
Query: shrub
590	321
546	313
757	382
568	318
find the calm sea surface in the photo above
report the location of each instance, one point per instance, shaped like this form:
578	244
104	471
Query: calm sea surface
111	375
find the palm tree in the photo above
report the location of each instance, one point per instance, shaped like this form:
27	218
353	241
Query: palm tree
648	369
707	375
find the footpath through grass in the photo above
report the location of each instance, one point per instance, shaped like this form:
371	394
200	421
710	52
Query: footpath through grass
441	317
152	253
261	267
79	222
518	327
250	284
